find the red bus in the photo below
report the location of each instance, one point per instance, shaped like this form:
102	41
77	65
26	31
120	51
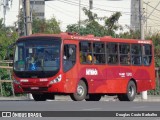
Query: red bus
84	67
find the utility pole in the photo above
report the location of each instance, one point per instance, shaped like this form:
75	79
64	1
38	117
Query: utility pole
28	17
90	4
28	25
24	17
79	15
146	17
20	3
141	21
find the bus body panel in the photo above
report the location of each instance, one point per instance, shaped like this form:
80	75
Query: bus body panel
103	79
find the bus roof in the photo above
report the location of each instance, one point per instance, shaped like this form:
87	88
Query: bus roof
74	36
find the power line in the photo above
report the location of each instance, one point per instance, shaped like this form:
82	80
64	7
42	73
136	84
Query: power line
154	19
61	11
76	4
110	6
155	16
152	6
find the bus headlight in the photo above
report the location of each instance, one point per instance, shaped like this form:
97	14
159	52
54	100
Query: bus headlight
56	80
16	82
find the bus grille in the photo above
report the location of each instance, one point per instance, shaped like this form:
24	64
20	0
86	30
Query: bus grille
34	90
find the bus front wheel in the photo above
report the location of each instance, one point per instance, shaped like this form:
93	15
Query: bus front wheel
131	93
39	97
81	92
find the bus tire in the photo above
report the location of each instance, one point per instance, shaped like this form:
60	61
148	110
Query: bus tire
121	97
93	97
81	92
131	93
39	97
50	96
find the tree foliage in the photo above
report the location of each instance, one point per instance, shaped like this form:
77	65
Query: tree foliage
51	26
91	25
8	36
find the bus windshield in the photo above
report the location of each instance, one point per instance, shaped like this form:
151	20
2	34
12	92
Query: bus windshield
37	54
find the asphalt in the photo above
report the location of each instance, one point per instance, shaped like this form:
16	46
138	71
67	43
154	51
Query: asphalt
150	98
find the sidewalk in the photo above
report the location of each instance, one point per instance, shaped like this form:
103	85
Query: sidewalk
151	98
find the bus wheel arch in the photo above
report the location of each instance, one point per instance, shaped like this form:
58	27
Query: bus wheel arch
130	93
81	90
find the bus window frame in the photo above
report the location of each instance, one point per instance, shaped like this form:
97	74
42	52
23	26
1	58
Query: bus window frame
102	53
125	54
141	55
107	56
80	51
63	57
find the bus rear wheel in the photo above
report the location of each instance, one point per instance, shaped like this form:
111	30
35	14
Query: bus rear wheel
131	93
93	97
81	92
39	97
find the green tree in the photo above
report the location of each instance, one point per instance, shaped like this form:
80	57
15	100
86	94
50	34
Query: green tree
91	25
156	42
111	23
51	26
8	36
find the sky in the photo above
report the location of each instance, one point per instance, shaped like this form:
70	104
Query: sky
67	11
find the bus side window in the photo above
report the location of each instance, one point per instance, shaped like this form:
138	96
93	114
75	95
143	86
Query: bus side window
112	50
124	50
147	54
136	54
99	53
69	56
85	49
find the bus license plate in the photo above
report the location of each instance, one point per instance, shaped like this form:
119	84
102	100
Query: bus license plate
34	88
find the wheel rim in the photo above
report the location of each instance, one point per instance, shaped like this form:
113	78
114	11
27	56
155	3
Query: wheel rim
80	90
131	91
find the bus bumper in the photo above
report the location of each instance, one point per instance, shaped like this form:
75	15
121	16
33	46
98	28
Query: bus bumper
57	88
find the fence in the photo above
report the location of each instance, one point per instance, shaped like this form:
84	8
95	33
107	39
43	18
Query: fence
6	65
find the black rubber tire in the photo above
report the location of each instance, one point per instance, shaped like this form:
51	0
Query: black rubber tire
50	96
78	97
131	92
93	97
39	97
121	97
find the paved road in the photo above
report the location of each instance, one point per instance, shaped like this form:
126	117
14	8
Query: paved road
79	106
65	104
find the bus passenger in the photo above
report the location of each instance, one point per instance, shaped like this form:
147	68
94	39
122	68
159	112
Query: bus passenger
81	57
89	58
95	60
